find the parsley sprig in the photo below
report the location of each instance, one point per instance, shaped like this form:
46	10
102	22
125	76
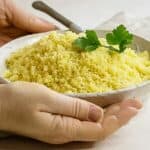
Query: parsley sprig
88	43
119	36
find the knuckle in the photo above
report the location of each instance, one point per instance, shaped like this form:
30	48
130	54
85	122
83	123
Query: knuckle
63	130
57	124
74	129
77	108
70	128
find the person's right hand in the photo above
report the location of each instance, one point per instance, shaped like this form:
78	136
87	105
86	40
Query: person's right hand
33	110
16	22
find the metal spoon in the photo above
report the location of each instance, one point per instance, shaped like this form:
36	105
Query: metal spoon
53	13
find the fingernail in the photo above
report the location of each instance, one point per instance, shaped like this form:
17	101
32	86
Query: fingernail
95	114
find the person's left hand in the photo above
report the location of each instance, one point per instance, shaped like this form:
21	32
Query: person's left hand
15	22
35	111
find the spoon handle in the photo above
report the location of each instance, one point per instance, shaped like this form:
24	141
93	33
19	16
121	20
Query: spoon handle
39	5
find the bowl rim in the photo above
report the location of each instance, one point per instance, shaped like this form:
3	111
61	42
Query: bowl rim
93	94
113	92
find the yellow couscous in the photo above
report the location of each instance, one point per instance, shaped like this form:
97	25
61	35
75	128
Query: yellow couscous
54	62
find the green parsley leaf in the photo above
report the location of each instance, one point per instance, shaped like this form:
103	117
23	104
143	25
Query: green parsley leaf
88	43
91	47
119	36
81	42
92	37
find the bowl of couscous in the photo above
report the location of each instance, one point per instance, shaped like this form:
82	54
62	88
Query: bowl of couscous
99	76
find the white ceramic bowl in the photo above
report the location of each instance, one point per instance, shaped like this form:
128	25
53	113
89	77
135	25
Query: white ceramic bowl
103	99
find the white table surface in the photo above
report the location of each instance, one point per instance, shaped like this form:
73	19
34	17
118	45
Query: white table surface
89	14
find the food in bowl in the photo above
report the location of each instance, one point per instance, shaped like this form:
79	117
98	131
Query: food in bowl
56	63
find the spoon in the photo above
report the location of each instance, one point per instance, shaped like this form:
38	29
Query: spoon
39	5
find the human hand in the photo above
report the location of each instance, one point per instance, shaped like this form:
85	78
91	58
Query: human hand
15	22
33	110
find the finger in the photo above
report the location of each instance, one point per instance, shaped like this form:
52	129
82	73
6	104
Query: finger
126	114
114	122
115	108
4	39
13	32
132	102
57	103
61	129
2	43
23	20
73	107
10	33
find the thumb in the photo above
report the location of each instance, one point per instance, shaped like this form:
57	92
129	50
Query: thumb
73	107
25	21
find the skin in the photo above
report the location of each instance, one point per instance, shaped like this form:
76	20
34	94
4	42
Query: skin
15	22
33	110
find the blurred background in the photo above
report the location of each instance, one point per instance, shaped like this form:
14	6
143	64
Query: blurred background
91	13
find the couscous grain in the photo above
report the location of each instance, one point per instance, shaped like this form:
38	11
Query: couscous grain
54	62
